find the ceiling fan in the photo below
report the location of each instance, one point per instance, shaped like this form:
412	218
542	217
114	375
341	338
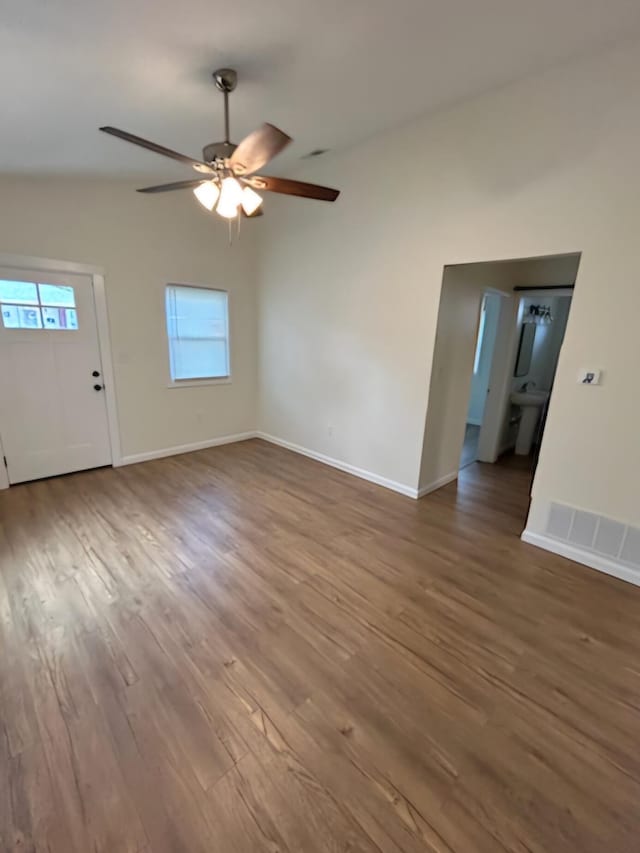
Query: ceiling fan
228	173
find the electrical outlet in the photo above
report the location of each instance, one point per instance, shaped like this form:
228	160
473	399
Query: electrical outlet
329	430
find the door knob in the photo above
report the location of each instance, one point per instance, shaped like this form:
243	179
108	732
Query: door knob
97	387
96	373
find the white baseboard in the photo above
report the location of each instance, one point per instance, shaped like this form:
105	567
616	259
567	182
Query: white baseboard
182	448
370	476
437	484
408	491
586	558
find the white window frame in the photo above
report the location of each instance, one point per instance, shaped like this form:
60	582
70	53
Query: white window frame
204	380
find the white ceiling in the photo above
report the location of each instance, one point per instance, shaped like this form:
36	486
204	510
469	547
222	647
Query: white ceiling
329	72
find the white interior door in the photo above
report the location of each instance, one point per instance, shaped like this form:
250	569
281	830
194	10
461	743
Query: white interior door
53	416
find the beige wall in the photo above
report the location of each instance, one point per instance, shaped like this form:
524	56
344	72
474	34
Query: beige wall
349	293
458	316
143	243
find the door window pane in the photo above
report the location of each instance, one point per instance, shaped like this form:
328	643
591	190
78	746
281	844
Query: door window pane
19	291
28	317
21	317
59	318
23	309
57	294
10	318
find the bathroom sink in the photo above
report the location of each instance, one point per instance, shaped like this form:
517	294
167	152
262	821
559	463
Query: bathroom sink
531	403
529	398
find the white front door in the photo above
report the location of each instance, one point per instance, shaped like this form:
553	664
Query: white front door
53	416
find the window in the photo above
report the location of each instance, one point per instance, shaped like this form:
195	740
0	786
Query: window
29	305
198	332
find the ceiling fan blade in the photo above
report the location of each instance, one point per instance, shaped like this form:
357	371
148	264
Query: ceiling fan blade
257	149
159	149
176	185
289	187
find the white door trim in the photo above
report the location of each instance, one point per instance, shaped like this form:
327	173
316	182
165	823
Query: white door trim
4	476
104	342
104	339
48	264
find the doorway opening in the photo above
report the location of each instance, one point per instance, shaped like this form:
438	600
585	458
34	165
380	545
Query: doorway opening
500	331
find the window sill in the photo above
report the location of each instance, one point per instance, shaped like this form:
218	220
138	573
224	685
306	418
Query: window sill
193	383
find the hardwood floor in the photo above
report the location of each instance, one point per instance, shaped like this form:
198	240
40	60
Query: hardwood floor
243	650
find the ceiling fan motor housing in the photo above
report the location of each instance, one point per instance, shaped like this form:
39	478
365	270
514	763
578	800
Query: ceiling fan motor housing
217	150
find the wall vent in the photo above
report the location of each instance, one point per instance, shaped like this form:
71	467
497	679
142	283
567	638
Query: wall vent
595	533
609	537
559	522
630	552
317	152
583	529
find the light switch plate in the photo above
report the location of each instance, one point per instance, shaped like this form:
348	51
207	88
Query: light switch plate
589	376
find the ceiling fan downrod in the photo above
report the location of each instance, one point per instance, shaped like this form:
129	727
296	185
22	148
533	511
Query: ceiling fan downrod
226	80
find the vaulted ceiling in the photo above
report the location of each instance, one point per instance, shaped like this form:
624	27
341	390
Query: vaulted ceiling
329	72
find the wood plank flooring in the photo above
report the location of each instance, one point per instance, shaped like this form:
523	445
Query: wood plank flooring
242	650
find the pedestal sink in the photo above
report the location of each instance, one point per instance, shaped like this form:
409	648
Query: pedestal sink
531	403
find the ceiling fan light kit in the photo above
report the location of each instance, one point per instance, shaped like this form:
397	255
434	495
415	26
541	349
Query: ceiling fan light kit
251	201
207	194
229	178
